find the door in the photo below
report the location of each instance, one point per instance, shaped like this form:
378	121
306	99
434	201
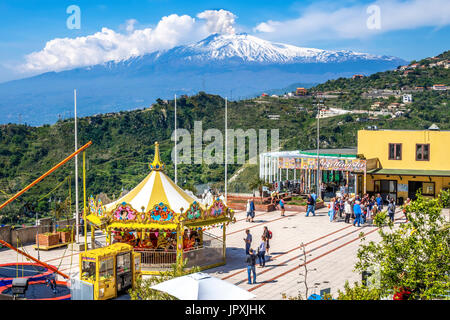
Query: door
413	186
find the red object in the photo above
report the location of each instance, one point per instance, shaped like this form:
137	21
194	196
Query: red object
402	294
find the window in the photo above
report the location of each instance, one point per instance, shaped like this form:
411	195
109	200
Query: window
106	269
428	188
422	152
88	271
395	151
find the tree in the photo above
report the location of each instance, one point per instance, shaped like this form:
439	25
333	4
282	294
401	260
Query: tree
143	290
412	257
258	184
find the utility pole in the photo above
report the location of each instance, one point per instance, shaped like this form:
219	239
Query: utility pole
176	175
76	169
226	149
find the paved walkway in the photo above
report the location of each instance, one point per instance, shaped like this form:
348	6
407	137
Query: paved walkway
331	249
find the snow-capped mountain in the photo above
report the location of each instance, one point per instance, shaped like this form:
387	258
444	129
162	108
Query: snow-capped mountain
249	48
239	63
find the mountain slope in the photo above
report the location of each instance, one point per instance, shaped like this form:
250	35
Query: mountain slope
236	66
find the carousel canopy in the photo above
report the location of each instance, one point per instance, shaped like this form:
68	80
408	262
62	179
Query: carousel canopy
156	188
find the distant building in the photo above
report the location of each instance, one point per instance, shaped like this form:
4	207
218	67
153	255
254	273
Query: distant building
439	87
413	66
405	73
264	95
301	92
419	88
394	105
407	98
358	76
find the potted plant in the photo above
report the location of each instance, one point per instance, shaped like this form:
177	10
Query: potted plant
65	235
47	239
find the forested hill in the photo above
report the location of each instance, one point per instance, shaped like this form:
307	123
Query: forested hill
123	142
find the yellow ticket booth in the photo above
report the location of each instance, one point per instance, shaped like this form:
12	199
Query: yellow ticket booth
111	270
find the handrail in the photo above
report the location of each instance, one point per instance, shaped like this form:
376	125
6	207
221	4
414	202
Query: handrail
18	194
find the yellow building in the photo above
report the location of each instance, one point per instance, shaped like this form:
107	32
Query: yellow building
400	162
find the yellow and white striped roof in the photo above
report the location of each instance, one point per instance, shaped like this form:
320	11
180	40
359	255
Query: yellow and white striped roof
157	187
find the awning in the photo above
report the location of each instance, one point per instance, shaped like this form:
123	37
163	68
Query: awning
411	172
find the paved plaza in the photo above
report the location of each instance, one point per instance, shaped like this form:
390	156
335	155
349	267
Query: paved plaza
331	249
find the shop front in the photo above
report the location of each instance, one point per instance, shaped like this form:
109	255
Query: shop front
402	184
336	174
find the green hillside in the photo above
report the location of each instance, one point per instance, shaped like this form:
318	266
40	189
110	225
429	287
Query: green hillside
123	143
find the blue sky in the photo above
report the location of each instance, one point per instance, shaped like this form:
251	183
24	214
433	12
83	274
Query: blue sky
409	29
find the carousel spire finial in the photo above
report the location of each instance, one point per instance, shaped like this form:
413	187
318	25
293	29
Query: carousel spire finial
157	164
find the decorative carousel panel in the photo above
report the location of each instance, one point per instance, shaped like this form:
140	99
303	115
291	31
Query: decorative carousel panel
161	213
96	208
194	212
124	212
217	209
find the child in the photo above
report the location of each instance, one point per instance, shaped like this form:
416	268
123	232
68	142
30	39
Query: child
282	207
331	210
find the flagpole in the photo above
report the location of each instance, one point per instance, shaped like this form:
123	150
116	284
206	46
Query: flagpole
176	173
76	168
226	149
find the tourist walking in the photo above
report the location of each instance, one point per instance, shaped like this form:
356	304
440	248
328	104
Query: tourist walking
311	203
248	241
251	266
262	252
379	201
348	210
341	206
282	207
252	209
357	211
391	209
267	235
314	196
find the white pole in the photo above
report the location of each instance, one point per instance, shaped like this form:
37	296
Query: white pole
226	148
76	169
176	175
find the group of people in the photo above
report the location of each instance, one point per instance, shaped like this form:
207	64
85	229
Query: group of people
261	251
362	210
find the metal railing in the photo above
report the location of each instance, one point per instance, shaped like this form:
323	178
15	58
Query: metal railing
152	259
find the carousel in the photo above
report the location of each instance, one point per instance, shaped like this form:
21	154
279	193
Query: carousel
166	224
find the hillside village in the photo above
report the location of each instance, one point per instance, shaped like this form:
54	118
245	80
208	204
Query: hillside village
380	102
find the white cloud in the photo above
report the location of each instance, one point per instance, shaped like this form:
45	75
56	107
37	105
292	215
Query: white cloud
318	23
109	45
218	21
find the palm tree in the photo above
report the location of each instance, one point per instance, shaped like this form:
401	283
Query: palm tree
257	183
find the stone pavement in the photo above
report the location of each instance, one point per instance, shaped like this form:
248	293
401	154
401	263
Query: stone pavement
331	249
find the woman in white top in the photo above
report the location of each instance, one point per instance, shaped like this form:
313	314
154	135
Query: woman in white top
348	211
